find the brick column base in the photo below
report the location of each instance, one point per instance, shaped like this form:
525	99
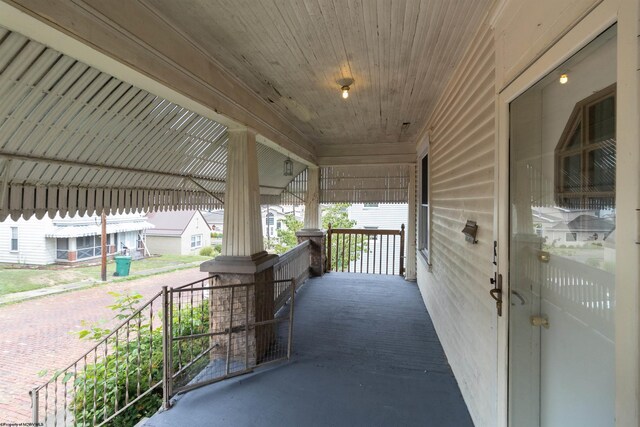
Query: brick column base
318	254
255	305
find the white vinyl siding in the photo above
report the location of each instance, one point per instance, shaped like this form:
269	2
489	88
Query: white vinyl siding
461	175
182	244
33	247
384	216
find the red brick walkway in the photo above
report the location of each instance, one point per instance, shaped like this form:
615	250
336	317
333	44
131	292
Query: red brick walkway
37	334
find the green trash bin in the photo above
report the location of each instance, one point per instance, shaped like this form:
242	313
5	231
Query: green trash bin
123	264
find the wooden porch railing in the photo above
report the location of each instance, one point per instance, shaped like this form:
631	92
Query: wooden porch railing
366	251
292	264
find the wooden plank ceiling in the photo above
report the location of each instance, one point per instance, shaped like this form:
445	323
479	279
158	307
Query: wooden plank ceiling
292	53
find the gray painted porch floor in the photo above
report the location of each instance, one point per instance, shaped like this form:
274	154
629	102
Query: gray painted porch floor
365	354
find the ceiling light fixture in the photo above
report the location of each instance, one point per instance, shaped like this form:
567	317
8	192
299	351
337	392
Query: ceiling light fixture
564	79
345	86
288	167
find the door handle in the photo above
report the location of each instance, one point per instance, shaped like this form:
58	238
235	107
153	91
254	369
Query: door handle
496	292
517	295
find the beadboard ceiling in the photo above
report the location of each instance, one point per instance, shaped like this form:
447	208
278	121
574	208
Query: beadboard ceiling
274	65
292	53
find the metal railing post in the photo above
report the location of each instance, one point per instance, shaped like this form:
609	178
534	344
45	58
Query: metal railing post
34	406
329	248
166	349
293	300
402	250
230	336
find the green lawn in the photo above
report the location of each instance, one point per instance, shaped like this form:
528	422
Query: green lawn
26	279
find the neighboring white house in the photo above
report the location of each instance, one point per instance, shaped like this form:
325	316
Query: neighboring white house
178	232
381	216
572	228
68	240
215	219
273	218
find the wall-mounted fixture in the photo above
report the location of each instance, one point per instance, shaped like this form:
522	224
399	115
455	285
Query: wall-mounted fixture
345	86
470	230
564	79
288	167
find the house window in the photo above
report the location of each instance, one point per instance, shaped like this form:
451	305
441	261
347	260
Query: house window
269	218
571	237
196	241
423	214
62	248
586	154
88	246
279	225
14	239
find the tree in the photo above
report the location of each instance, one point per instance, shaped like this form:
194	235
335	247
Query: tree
338	216
287	235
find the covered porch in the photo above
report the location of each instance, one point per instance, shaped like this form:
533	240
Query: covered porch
163	105
365	353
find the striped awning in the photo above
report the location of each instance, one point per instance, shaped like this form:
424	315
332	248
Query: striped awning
364	184
61	231
74	139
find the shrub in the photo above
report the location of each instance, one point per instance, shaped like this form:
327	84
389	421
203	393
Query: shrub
103	386
206	251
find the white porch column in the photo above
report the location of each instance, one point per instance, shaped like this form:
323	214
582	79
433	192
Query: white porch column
312	230
312	204
242	225
243	261
410	272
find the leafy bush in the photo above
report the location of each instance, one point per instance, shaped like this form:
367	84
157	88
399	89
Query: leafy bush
338	216
206	251
108	382
218	248
287	236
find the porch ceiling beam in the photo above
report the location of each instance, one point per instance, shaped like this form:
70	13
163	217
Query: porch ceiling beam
367	154
197	184
157	58
100	166
54	161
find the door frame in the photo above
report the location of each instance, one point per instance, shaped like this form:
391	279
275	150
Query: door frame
627	317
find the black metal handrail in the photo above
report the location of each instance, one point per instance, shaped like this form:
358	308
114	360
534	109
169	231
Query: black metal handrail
178	326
